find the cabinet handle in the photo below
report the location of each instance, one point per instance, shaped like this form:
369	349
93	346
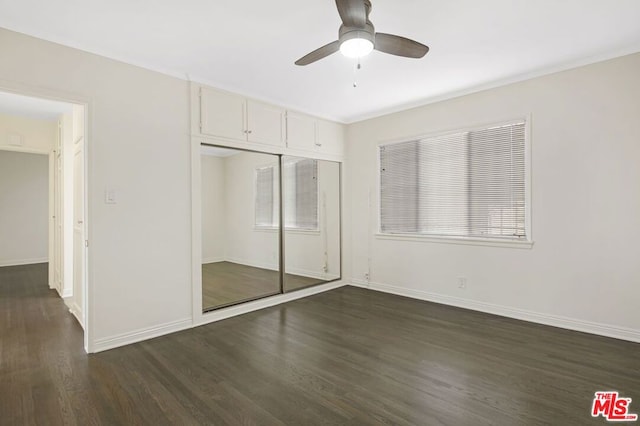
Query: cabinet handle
249	132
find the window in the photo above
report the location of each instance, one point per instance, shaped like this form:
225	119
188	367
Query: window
300	188
266	207
300	194
465	184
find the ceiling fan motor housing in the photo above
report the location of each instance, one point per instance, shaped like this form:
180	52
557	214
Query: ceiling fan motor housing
348	33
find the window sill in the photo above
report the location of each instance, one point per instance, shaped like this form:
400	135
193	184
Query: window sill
458	240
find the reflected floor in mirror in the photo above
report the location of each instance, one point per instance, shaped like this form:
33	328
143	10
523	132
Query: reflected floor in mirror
226	283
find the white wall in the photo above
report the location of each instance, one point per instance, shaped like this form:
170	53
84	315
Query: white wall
36	135
583	270
24	208
213	208
138	144
245	244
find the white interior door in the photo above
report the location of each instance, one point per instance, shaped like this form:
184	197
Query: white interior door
57	221
78	230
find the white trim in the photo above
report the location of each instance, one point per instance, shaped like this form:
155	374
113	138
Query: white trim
139	335
575	324
66	293
18	262
75	310
274	267
26	149
278	299
213	259
307	273
262	265
491	242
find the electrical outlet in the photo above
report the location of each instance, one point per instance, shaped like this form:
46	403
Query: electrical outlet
462	283
366	276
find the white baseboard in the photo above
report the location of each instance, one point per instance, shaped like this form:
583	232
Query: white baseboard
247	307
75	311
18	262
271	267
123	339
212	259
506	311
262	265
318	275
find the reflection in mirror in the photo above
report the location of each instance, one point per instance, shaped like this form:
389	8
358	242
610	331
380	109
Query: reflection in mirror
311	207
240	226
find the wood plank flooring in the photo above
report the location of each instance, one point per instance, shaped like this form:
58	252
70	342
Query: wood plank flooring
225	283
345	357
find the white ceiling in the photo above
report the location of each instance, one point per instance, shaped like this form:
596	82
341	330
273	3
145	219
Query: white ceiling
25	106
249	46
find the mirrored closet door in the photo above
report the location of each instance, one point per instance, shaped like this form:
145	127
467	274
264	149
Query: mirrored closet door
242	212
311	209
240	226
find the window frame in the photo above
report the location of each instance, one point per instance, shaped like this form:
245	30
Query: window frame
524	243
276	172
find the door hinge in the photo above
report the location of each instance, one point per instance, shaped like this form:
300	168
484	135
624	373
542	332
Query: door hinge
86	243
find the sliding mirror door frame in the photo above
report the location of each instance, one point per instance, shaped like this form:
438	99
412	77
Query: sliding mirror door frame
323	232
199	317
257	280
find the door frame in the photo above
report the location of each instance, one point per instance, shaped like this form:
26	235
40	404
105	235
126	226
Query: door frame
72	98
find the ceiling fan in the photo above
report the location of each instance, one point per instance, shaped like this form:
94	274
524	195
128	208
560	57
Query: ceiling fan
357	37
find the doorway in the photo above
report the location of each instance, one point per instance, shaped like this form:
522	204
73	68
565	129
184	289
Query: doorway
53	132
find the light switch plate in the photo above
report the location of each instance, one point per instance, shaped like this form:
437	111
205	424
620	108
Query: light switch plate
110	196
14	139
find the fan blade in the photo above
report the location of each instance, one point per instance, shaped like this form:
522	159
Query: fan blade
400	46
320	53
352	12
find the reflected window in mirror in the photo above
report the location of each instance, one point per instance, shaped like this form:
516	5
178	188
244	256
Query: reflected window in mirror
240	226
311	207
300	188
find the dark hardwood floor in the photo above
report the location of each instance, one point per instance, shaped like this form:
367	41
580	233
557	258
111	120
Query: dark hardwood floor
225	283
345	357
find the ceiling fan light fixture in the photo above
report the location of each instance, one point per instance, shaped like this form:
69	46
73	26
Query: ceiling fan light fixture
356	47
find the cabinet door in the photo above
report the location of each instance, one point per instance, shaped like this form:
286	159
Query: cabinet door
265	123
330	137
222	114
301	131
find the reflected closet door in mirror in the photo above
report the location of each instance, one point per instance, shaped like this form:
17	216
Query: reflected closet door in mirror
311	209
240	226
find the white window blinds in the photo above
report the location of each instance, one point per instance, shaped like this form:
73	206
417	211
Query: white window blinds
465	184
265	210
301	194
300	188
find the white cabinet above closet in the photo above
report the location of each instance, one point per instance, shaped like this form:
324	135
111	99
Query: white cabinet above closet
302	131
307	133
231	119
222	114
230	116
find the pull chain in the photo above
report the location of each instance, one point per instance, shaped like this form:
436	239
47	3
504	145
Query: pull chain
355	73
